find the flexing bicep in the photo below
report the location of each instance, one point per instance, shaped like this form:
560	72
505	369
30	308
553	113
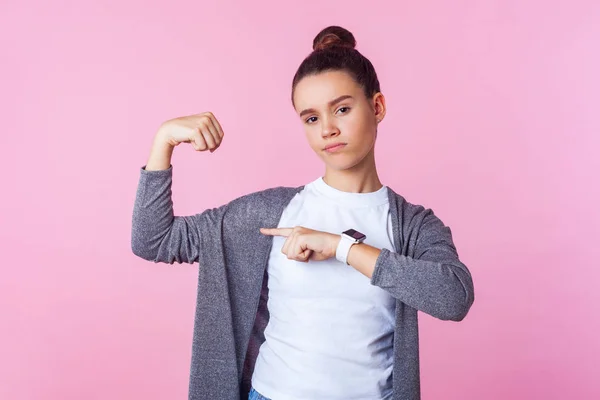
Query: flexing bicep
157	234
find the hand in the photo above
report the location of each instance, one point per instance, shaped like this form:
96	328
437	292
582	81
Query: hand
303	244
202	131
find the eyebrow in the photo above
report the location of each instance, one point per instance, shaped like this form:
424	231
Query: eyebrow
331	103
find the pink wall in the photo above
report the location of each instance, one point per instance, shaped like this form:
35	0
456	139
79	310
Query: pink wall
492	121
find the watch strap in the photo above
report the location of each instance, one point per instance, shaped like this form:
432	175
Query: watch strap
343	248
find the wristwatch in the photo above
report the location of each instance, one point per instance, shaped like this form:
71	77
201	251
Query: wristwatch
349	237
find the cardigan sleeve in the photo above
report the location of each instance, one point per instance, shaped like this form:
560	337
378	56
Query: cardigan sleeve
434	281
157	234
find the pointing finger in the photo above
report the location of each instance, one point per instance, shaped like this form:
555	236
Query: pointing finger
276	231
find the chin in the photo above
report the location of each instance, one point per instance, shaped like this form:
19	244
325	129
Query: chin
342	164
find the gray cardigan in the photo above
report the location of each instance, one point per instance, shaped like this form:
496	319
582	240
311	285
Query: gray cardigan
231	309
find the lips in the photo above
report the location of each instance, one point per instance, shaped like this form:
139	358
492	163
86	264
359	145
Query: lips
334	146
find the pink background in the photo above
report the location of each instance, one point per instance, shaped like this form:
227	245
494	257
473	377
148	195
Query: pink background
492	121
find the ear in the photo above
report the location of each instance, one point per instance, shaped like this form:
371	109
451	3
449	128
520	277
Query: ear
379	106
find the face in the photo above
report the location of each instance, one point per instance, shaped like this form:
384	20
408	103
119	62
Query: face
334	109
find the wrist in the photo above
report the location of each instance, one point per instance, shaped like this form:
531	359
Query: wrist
348	239
160	154
161	140
336	239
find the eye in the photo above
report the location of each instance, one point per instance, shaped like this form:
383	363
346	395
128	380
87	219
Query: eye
339	109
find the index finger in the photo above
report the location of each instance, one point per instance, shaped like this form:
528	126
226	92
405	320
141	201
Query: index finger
276	231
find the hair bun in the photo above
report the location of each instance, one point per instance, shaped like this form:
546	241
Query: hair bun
334	36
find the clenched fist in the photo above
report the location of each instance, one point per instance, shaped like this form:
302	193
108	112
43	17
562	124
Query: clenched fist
202	131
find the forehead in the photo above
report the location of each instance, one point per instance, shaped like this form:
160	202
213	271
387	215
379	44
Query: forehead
317	90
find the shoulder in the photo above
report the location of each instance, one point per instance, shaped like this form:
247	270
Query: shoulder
263	202
412	214
269	196
419	225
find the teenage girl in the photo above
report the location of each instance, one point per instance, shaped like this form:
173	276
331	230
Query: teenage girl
331	329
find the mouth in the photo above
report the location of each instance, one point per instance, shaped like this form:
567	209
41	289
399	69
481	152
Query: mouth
334	147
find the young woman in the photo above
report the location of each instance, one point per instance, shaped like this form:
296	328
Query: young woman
309	292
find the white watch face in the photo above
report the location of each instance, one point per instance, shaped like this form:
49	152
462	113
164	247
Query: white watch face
355	235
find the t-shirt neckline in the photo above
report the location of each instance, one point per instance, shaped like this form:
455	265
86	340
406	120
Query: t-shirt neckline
379	197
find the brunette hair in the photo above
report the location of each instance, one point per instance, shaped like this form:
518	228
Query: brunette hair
334	50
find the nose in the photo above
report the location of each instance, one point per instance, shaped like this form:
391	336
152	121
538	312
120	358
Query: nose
329	129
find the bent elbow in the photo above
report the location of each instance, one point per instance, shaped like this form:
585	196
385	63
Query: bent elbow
142	251
458	309
457	314
461	299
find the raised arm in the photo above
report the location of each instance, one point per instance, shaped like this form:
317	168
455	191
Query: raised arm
157	234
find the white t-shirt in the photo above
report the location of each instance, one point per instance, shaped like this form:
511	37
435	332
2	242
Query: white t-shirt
330	332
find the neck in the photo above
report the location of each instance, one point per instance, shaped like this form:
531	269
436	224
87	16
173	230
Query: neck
362	178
